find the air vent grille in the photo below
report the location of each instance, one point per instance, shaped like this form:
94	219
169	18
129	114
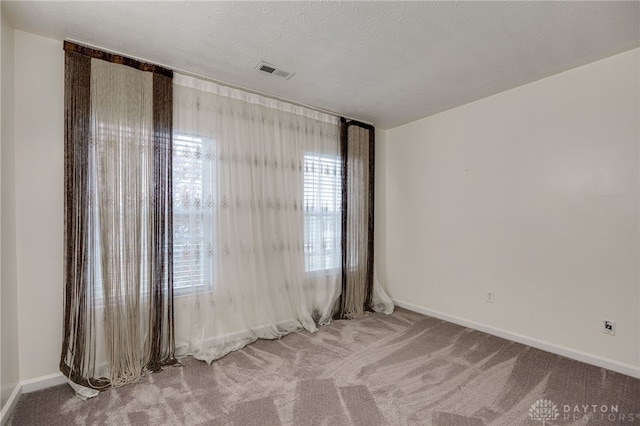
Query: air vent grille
267	68
274	70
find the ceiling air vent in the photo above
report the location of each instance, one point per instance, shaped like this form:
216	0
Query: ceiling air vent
273	70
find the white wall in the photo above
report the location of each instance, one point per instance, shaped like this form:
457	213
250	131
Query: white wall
9	362
380	212
2	26
39	160
532	193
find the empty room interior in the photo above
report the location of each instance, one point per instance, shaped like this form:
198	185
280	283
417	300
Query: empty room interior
321	213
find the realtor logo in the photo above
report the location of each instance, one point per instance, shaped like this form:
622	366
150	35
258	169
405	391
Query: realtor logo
543	410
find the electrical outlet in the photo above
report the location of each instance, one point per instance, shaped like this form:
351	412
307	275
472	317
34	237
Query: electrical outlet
609	327
489	296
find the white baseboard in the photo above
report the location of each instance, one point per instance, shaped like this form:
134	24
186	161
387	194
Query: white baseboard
619	367
8	408
28	386
43	382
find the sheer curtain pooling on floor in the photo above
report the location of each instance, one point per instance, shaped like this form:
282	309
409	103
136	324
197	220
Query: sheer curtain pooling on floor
118	321
257	208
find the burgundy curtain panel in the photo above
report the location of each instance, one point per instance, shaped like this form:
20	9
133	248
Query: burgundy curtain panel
118	281
358	156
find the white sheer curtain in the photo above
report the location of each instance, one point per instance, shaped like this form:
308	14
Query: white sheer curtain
256	218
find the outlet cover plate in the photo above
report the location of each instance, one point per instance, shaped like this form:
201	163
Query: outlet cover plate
490	296
609	327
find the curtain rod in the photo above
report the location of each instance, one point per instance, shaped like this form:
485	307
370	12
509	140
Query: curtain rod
211	79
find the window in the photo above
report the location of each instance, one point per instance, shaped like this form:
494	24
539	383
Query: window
322	212
192	212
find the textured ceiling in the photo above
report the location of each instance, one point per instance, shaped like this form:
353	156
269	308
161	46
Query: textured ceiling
387	63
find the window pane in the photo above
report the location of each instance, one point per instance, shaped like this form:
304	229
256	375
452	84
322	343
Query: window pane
192	212
322	212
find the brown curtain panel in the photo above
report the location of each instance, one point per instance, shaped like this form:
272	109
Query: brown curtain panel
118	313
358	149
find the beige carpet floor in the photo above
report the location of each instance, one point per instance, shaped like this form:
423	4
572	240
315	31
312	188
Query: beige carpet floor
400	369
